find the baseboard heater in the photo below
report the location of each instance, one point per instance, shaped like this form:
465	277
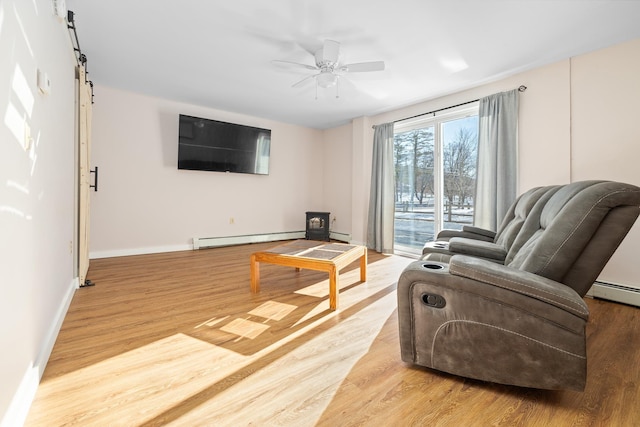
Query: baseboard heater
213	242
614	292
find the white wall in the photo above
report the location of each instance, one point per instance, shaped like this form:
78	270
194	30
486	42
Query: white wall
362	155
577	120
145	204
337	184
37	204
606	136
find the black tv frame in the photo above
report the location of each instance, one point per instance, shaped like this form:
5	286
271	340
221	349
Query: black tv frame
217	146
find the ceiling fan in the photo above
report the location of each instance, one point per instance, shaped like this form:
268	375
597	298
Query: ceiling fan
328	68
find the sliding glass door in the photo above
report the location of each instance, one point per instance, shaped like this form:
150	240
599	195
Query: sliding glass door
435	166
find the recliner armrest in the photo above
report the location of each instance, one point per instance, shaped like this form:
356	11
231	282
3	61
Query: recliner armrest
477	248
523	282
466	233
480	231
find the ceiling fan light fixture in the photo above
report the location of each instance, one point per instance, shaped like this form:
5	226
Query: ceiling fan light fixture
328	67
326	79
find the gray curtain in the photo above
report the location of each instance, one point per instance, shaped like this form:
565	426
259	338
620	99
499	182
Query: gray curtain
382	195
496	187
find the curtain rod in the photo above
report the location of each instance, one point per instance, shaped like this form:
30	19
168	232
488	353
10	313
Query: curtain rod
521	88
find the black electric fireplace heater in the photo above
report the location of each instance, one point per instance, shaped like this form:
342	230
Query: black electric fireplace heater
317	226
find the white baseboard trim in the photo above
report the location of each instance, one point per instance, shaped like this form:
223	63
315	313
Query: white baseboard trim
18	410
214	242
615	292
54	329
139	251
342	237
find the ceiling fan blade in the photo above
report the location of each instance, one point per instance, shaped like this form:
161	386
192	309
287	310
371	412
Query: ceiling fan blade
304	81
331	51
310	44
360	67
290	64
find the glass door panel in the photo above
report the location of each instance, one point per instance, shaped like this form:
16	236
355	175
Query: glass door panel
415	189
459	156
435	166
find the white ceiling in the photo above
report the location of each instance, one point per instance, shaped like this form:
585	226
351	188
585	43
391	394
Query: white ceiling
218	53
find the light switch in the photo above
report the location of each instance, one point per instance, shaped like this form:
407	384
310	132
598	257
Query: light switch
60	8
44	84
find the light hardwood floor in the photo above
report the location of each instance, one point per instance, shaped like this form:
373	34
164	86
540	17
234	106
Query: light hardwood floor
179	339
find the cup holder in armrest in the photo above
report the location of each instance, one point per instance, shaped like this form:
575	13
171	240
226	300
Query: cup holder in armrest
438	246
427	266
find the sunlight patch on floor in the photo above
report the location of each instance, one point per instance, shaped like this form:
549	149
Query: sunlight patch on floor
244	328
315	370
273	310
161	374
321	289
350	291
212	322
318	289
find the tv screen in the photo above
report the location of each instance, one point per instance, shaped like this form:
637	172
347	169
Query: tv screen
211	145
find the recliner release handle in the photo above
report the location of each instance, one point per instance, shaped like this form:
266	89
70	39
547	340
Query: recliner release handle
433	300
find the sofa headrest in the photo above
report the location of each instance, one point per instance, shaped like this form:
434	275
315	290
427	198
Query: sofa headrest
568	221
521	210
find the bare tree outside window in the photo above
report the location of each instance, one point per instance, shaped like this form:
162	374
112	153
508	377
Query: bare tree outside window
414	164
419	215
459	167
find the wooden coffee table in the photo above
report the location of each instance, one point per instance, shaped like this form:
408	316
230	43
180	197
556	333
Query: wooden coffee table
312	255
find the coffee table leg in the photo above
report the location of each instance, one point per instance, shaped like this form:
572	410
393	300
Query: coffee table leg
333	288
363	266
255	275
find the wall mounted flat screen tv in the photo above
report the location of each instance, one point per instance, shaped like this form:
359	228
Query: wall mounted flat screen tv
211	145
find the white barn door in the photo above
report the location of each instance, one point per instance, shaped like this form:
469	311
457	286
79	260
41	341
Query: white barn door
84	152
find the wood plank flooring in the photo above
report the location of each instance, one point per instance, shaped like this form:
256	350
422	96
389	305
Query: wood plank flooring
178	339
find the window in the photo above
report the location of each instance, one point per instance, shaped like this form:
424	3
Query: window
435	167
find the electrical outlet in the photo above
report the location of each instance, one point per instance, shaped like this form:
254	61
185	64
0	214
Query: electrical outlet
70	247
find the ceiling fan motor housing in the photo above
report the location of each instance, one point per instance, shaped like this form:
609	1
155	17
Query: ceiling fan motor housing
324	63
